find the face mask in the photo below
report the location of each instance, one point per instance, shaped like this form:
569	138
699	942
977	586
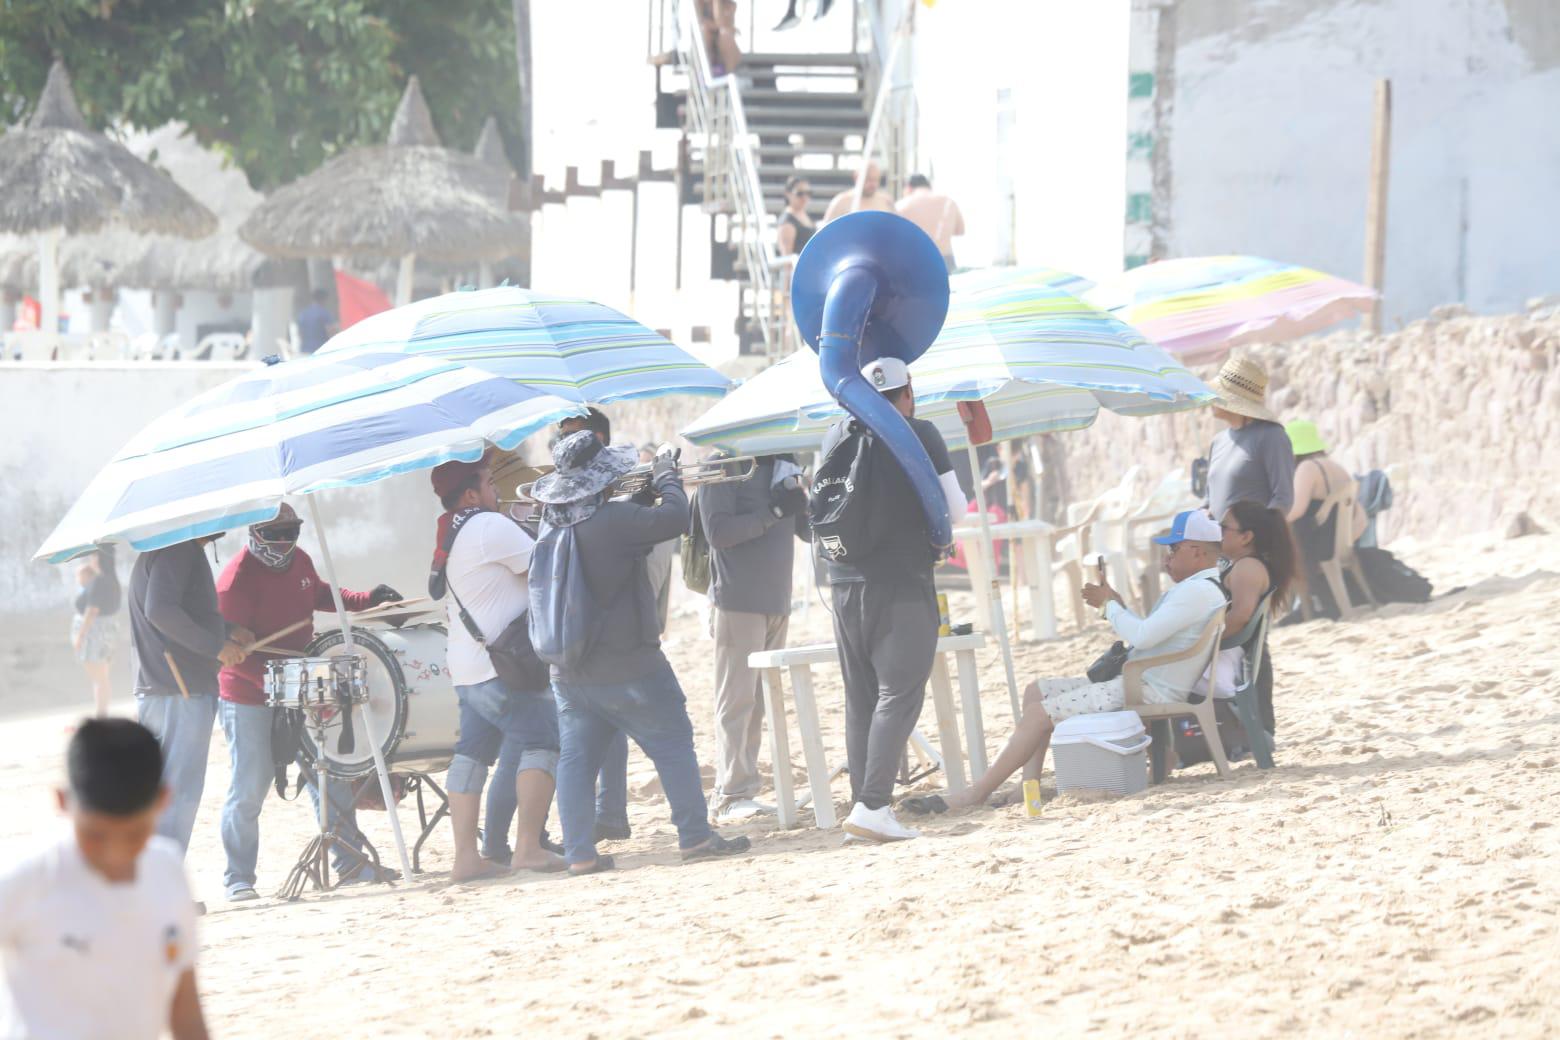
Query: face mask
275	555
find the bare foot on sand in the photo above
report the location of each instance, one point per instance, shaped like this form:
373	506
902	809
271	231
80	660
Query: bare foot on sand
543	862
482	870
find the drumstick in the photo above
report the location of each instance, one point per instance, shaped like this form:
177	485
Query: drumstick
177	676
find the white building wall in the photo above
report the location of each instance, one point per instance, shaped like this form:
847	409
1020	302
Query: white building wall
1065	68
1270	140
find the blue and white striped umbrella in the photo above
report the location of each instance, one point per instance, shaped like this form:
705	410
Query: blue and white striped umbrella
1041	359
227	458
577	349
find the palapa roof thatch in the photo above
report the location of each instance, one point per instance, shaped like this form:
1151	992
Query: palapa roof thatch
56	173
116	258
411	195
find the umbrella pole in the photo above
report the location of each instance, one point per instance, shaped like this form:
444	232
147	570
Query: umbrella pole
368	711
998	622
403	280
49	282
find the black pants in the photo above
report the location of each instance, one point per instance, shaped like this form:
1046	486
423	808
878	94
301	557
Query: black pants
887	635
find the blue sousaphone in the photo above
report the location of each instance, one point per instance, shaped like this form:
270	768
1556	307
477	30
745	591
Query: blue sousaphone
872	285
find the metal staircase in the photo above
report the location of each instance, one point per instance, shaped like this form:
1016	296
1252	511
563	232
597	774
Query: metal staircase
781	115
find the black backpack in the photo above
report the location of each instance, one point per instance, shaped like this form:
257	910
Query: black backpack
840	508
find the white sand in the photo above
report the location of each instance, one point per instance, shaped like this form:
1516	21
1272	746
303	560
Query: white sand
1395	876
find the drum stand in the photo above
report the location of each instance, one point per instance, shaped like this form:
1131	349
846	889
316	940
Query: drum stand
314	863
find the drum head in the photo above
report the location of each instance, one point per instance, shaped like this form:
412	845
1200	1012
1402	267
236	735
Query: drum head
385	718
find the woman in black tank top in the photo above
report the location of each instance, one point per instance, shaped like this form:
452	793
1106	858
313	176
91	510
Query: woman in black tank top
796	227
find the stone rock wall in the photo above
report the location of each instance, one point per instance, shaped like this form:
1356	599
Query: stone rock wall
1463	411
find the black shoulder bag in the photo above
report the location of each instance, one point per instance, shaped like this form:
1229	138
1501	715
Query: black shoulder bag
513	656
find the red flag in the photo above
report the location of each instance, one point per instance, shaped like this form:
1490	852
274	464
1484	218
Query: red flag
358	299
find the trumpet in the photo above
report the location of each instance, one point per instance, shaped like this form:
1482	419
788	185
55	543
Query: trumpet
692	474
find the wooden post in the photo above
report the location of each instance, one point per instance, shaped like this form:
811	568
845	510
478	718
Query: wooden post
1376	204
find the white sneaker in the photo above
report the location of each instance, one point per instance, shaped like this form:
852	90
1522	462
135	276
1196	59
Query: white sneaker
877	825
242	894
743	809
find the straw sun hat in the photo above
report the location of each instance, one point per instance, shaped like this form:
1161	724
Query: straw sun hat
1242	389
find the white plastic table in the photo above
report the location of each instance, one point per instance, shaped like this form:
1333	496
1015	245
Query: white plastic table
798	660
1034	540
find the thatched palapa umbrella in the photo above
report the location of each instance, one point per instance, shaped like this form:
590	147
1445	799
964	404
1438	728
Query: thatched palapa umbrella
409	198
59	178
115	259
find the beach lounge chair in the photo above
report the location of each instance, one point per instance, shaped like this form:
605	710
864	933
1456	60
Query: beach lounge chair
1157	716
1252	638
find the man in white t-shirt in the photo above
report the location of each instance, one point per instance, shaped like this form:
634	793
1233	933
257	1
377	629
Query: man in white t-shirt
482	559
97	928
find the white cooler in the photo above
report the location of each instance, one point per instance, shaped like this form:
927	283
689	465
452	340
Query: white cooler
1106	752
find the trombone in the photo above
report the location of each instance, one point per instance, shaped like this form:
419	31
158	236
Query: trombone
692	474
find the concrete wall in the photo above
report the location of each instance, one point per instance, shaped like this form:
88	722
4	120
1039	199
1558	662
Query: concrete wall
1269	140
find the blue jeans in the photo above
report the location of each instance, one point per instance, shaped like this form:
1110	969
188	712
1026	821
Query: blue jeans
652	710
495	722
247	728
612	784
499	815
182	727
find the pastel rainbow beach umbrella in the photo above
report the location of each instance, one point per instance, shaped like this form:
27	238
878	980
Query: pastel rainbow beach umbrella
1199	307
574	348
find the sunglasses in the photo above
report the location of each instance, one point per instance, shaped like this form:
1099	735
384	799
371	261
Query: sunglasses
287	532
805	193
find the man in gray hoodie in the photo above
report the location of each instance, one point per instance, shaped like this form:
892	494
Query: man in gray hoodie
177	642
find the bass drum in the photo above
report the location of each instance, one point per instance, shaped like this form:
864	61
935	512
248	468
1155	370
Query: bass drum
416	718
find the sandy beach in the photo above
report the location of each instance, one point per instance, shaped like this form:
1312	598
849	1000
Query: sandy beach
1395	876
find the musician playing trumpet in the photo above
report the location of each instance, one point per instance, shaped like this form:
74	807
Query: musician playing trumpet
268	586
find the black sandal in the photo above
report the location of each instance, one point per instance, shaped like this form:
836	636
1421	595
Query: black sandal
603	863
925	805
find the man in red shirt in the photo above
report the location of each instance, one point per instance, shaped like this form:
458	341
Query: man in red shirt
266	587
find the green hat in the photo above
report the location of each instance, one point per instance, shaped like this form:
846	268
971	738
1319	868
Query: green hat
1304	438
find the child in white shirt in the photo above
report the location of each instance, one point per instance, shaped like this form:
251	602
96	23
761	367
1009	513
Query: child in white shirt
97	927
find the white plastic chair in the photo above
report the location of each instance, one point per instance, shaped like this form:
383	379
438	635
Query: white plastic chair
1205	650
1172	495
1341	504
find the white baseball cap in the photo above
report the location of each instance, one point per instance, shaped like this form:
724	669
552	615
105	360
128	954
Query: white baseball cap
888	373
1192	526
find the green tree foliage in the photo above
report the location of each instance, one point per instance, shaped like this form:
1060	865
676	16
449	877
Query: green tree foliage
278	85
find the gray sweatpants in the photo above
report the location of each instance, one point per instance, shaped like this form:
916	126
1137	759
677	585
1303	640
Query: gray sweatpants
739	699
887	635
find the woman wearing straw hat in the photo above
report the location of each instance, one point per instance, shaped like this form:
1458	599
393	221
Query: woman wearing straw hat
1252	460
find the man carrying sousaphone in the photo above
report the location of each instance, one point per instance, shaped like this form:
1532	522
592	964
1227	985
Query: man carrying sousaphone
885	611
269	586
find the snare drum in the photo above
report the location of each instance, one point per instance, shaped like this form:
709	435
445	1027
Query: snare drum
416	718
318	683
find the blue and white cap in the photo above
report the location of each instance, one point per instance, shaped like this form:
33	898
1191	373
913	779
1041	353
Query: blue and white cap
1194	525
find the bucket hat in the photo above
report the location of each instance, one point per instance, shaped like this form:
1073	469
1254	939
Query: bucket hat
583	469
1304	437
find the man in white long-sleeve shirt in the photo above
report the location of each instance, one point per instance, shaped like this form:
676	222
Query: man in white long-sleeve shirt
885	613
1174	624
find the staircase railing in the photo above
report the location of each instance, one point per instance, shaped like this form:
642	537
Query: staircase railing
716	118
